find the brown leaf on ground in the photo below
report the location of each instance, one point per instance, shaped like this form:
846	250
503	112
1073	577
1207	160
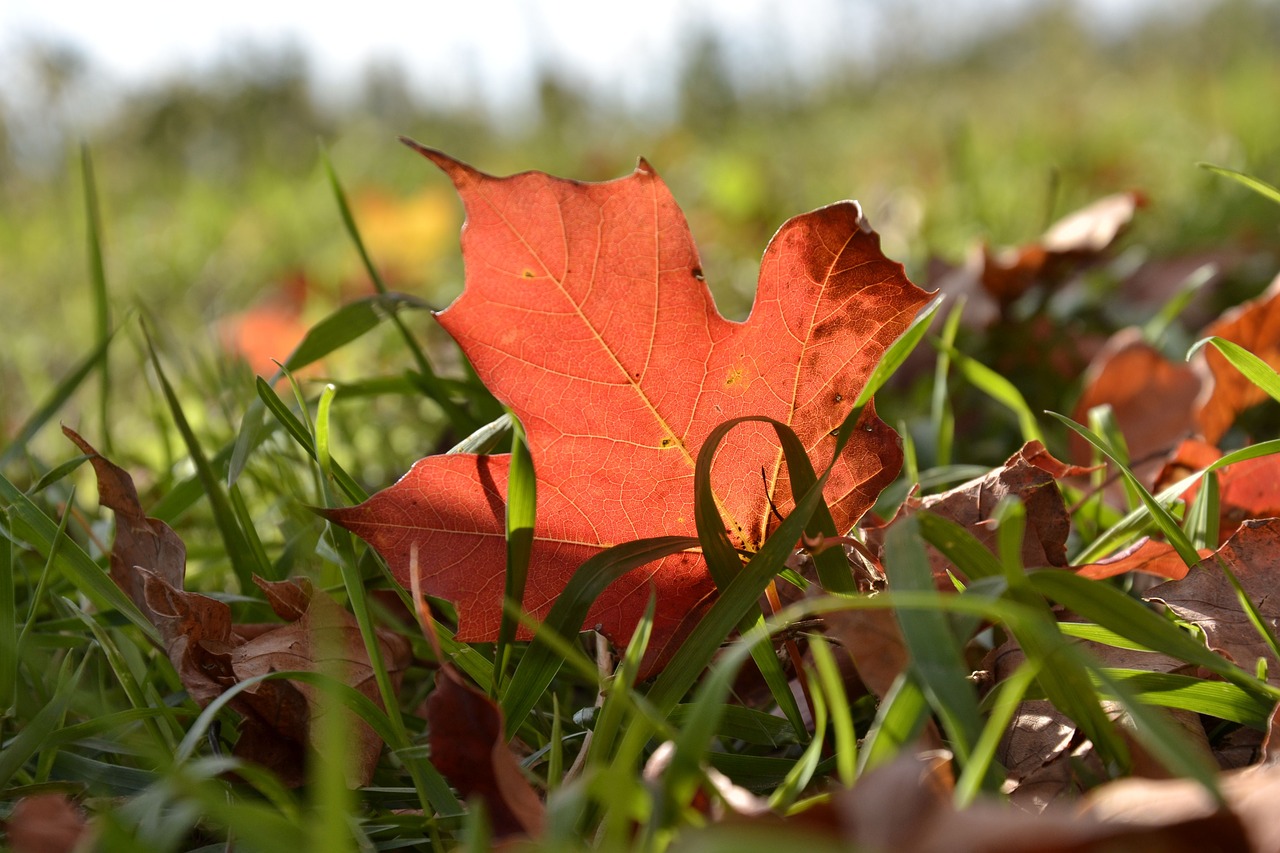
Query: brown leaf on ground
46	823
905	806
1147	555
1067	245
1028	474
140	542
468	748
211	654
1206	598
1151	397
1254	325
1247	489
873	643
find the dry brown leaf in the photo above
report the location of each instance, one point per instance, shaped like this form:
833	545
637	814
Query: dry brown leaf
46	823
1254	325
1151	397
468	748
140	542
1028	474
873	643
1206	598
211	653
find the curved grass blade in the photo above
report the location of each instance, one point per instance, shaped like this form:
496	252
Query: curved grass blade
1258	185
1250	366
1163	519
1114	610
747	585
1137	521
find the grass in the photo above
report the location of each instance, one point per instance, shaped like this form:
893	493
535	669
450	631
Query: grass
91	706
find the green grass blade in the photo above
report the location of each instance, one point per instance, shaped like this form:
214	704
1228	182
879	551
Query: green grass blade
1155	329
540	663
609	722
998	388
1258	185
844	734
899	350
745	589
1163	519
97	289
522	492
1008	695
45	722
299	432
461	420
239	553
1212	698
1250	366
1112	609
901	717
8	622
1137	521
936	656
941	413
1162	738
489	437
28	523
56	400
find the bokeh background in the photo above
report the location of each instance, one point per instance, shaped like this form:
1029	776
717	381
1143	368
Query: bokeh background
955	124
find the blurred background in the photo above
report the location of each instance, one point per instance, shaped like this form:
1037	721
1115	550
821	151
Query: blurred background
956	124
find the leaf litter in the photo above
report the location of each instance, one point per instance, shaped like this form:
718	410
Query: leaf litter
586	313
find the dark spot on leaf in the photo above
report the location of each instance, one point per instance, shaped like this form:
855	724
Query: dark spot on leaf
839	398
666	442
697	273
528	273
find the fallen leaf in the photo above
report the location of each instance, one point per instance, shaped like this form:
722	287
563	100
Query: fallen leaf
1206	598
468	748
268	332
1152	556
140	542
211	653
46	823
1031	475
1246	489
906	805
1151	397
1254	325
585	311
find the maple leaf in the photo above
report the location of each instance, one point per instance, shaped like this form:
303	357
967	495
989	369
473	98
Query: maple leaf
586	312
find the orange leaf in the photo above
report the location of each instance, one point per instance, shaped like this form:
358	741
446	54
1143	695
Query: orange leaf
586	312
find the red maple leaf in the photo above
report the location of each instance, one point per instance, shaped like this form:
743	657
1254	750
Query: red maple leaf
586	312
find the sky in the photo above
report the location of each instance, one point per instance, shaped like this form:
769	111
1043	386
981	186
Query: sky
454	50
